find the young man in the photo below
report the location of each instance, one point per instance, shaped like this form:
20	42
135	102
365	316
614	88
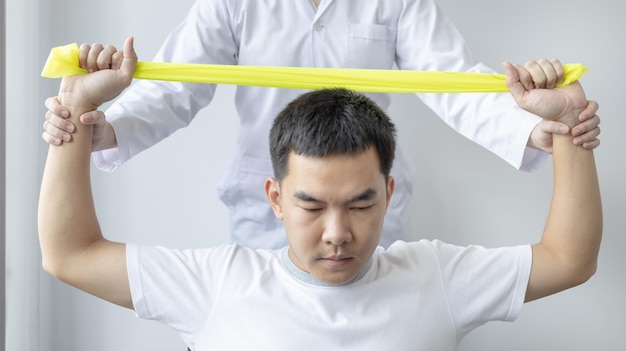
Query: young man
411	34
332	286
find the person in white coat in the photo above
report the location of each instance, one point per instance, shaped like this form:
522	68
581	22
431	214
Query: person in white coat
376	34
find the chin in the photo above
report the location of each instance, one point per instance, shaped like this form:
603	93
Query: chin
336	279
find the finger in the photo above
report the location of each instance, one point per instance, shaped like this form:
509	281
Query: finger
558	68
116	59
586	126
56	135
105	58
92	57
94	117
50	139
591	144
53	105
525	77
590	111
537	74
59	123
83	52
588	137
549	73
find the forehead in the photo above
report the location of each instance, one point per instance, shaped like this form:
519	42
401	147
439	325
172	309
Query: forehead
336	176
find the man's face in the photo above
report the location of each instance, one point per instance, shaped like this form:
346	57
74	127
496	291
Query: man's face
333	209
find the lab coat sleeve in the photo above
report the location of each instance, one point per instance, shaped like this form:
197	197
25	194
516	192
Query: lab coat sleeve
428	40
150	111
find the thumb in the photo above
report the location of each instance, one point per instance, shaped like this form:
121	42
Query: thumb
554	127
513	81
129	61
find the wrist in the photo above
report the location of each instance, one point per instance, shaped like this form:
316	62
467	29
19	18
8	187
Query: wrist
73	97
75	104
570	119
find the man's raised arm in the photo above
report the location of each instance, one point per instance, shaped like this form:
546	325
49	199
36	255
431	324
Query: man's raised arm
568	251
72	245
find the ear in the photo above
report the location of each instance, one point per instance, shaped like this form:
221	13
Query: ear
391	184
272	191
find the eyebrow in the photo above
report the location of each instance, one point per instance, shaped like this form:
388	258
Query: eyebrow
364	196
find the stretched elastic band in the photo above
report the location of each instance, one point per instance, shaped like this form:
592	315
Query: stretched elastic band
63	61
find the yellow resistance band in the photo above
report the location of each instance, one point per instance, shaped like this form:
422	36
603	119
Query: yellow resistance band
63	61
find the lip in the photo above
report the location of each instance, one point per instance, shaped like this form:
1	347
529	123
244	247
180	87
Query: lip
336	261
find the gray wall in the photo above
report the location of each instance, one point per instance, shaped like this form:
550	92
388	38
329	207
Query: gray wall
464	195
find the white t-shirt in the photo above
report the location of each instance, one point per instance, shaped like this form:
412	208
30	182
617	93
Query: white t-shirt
410	34
424	295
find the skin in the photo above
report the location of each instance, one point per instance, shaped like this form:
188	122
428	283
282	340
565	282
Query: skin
72	245
567	253
333	207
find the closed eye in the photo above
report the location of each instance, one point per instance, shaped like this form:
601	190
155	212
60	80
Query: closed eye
312	210
361	208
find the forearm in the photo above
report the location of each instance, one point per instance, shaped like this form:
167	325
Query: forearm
574	227
67	220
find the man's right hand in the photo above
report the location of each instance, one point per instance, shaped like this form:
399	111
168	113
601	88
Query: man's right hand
114	70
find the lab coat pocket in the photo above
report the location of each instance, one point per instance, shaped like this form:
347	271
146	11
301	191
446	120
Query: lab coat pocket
371	46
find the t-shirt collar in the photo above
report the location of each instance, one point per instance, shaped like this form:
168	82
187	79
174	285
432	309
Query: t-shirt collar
308	278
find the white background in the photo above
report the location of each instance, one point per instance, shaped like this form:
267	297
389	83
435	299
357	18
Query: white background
167	194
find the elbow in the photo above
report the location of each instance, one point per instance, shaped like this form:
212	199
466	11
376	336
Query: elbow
55	268
582	273
588	271
51	268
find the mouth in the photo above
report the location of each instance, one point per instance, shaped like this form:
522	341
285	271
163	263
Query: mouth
336	261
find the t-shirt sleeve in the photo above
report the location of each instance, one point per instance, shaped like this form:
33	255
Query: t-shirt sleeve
174	287
484	284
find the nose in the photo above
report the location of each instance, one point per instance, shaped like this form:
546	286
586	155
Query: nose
337	229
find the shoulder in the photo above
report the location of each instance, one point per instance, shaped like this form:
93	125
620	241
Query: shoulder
204	257
449	253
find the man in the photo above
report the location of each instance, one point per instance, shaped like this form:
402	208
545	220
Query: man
378	34
333	286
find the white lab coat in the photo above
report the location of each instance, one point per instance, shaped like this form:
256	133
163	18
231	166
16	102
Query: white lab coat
413	34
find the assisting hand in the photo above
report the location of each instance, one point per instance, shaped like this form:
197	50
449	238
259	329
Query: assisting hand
585	133
58	129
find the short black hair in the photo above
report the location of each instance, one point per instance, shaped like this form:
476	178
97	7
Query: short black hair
331	122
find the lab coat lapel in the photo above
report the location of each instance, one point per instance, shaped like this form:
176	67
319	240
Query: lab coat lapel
324	4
